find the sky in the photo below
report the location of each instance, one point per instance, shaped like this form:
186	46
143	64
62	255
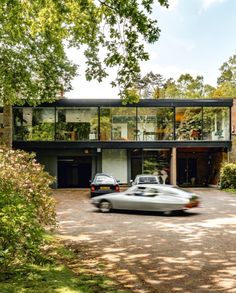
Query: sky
197	36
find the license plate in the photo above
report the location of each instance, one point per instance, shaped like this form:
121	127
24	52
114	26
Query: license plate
104	187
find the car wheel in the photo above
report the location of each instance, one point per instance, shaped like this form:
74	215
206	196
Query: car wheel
105	206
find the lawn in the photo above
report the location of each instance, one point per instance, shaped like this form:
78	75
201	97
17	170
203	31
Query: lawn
55	276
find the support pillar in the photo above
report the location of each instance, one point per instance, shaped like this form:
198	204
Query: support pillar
173	167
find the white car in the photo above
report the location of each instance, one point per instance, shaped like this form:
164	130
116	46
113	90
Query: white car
148	197
145	179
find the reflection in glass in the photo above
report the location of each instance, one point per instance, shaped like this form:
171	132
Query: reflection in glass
43	124
22	121
34	124
1	118
118	123
76	124
155	124
188	123
152	162
216	123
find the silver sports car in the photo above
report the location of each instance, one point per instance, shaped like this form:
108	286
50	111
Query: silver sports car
148	197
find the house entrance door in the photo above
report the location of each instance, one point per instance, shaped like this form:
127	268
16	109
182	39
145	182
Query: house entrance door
187	171
74	172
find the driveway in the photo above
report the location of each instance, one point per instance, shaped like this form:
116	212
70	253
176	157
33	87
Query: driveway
149	252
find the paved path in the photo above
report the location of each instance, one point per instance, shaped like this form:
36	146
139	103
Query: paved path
150	252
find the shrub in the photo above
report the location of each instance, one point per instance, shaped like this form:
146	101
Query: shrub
26	206
228	176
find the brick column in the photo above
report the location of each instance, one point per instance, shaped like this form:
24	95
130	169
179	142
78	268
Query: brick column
173	167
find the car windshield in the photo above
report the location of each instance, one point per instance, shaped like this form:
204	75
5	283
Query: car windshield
103	179
142	191
147	179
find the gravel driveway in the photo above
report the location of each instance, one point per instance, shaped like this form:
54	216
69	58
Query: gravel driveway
148	252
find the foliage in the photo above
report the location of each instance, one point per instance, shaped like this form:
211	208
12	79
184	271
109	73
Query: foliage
35	34
151	85
170	89
190	121
26	206
226	83
20	233
186	86
42	131
228	72
154	86
228	176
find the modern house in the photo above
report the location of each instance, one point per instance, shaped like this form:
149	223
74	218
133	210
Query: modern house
184	139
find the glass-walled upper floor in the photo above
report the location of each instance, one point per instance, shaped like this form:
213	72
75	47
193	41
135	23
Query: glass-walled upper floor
121	123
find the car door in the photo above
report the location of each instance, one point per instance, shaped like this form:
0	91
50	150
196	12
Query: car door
143	198
150	200
169	201
131	199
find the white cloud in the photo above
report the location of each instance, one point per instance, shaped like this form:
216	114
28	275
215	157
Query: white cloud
208	3
83	89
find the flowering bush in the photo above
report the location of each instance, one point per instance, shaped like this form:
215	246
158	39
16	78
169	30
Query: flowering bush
26	206
228	176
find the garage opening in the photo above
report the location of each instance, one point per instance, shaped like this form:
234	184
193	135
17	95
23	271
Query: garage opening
74	172
198	166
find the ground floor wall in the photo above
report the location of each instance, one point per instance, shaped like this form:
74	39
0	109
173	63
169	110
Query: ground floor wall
199	166
181	166
232	153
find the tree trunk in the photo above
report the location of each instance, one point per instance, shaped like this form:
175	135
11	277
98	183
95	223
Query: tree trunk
7	124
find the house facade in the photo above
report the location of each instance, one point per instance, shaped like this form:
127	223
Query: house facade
182	141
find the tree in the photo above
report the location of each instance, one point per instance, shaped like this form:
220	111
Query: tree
151	85
226	83
190	87
171	90
34	33
187	86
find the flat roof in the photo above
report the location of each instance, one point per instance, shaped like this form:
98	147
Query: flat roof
142	103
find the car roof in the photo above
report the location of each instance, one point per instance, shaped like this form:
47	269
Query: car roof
103	174
146	175
164	186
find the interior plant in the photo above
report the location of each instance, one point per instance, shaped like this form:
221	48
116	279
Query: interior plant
44	131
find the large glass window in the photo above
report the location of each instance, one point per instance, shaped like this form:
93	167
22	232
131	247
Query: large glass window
152	162
1	118
34	124
155	124
77	124
118	123
22	121
216	121
43	124
1	123
188	123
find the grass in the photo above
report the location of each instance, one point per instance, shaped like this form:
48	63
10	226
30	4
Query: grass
54	276
230	190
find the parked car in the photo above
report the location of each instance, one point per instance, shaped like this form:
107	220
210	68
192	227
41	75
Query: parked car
103	184
145	179
148	197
